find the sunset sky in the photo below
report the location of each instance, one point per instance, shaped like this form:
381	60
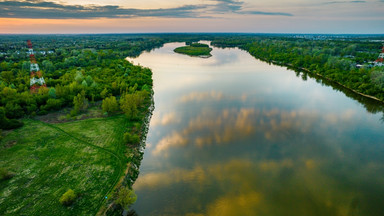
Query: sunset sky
133	16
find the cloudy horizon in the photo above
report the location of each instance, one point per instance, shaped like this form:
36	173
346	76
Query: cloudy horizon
118	16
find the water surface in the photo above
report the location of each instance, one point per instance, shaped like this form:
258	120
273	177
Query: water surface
232	135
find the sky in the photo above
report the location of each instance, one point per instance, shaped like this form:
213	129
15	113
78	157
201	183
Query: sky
154	16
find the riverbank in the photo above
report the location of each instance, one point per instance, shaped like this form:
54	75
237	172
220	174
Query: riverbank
135	155
323	77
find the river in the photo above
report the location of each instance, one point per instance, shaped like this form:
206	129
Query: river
232	135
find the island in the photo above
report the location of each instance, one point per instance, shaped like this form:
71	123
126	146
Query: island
195	49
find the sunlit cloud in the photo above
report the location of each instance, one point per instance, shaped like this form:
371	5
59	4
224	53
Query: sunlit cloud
209	96
202	96
223	127
246	187
166	119
344	2
56	10
247	203
173	140
229	125
52	10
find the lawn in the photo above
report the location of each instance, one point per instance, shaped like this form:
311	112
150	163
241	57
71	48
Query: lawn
87	156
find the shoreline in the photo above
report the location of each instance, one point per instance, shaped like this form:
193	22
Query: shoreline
290	66
126	178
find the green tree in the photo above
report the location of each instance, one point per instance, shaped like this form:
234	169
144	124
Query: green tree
80	103
126	197
52	92
79	77
129	104
84	83
7	76
131	138
48	67
104	93
89	80
68	197
110	104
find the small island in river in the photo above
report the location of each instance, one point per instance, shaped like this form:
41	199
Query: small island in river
195	49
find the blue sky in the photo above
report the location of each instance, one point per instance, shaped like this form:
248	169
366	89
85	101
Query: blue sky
259	16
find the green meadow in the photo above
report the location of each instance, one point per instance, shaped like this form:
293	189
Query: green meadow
87	156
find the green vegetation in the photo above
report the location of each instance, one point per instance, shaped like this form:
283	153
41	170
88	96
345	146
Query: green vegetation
5	174
6	123
332	57
195	49
88	74
125	197
110	105
68	197
89	156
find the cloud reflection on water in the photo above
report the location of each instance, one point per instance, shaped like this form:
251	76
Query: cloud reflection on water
212	127
267	187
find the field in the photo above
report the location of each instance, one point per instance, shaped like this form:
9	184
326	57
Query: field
87	156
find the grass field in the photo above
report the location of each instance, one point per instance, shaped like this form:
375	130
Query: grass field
87	156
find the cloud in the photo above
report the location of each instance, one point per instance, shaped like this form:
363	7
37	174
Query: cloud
202	96
234	6
228	5
255	187
173	140
343	2
165	119
220	128
53	10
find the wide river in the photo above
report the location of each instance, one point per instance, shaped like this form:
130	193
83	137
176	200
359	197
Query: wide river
232	135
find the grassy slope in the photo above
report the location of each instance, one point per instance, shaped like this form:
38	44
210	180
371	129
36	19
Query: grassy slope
194	51
47	161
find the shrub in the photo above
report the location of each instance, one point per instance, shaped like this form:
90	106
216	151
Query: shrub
125	197
68	197
5	174
6	123
131	138
53	104
110	104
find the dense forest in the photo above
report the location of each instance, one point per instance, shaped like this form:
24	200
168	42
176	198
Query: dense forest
70	69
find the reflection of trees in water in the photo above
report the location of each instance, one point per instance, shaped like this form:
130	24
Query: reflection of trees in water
132	213
371	105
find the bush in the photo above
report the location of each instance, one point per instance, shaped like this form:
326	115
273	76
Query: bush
6	123
125	197
68	197
5	174
52	104
13	124
110	104
131	138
